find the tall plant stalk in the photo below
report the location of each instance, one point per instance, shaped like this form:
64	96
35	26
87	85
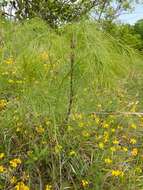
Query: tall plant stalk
71	92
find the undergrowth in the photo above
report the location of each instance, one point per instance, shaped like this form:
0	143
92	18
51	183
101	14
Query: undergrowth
53	134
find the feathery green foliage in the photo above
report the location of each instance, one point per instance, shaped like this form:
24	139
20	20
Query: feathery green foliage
99	63
35	67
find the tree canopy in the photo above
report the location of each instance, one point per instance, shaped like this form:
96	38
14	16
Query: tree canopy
57	12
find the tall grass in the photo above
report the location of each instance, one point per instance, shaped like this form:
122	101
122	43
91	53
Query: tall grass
35	67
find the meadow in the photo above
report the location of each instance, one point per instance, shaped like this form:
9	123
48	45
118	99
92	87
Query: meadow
70	109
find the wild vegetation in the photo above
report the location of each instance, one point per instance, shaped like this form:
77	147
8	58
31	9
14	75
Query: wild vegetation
59	12
70	96
68	103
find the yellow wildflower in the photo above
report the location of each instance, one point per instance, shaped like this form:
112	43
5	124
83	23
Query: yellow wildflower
97	120
125	149
1	156
15	162
79	116
106	133
106	136
101	145
117	173
115	142
58	148
21	186
112	130
48	122
9	61
108	161
120	127
44	55
40	129
106	139
3	103
81	124
13	180
72	153
133	126
133	108
2	169
113	149
134	152
106	125
18	129
84	183
48	187
133	141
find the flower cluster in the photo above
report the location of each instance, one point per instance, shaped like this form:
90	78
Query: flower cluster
3	104
15	162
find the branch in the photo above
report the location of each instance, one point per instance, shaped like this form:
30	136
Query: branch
102	9
7	14
118	113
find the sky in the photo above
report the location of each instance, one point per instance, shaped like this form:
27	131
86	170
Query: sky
131	18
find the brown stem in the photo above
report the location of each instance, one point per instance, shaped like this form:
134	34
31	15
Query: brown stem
71	93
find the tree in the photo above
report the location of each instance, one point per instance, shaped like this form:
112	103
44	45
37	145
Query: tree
57	12
138	27
54	12
110	10
124	33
